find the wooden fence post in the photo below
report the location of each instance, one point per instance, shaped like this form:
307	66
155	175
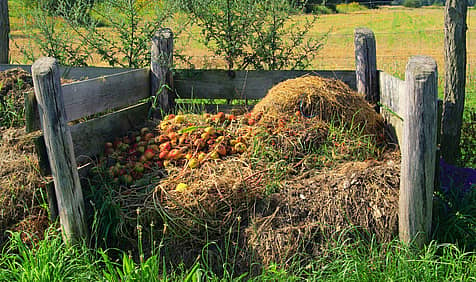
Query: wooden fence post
4	32
418	149
455	78
59	144
366	64
161	75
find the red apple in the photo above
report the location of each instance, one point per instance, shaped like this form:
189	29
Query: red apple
174	154
163	155
221	149
165	146
149	136
149	154
144	130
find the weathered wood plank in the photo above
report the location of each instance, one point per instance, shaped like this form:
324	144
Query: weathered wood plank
89	137
97	95
4	32
366	64
161	74
418	149
59	145
392	90
32	118
75	73
217	84
83	172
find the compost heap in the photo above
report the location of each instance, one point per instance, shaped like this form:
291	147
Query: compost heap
330	100
21	185
268	181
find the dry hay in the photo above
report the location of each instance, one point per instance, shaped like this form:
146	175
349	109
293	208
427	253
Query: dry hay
321	205
20	181
218	193
328	99
14	83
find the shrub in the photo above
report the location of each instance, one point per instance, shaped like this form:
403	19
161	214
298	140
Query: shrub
253	33
321	10
412	3
349	8
74	37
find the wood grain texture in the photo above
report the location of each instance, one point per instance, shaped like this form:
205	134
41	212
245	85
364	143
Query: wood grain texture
4	32
83	172
97	95
75	73
366	64
392	90
89	137
455	78
59	145
418	150
217	84
161	81
32	117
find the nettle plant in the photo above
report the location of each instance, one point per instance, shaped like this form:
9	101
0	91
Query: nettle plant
118	32
259	34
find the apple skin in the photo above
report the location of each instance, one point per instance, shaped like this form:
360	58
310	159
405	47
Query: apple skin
163	155
144	130
214	155
149	154
139	167
221	149
149	136
194	163
174	154
165	146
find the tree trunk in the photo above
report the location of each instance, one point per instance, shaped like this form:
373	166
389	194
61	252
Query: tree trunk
455	78
4	32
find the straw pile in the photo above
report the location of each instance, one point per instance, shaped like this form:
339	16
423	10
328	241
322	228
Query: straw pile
19	185
329	100
318	206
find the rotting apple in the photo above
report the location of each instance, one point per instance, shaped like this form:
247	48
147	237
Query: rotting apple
165	146
149	154
193	163
144	130
181	187
139	167
221	149
163	155
175	154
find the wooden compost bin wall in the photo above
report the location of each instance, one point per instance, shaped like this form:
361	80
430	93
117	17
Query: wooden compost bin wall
127	89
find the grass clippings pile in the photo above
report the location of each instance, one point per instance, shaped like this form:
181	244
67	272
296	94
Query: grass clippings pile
319	206
329	100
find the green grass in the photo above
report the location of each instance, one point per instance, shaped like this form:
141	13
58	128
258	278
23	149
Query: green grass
52	260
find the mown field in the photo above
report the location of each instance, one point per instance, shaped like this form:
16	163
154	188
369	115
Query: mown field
400	33
348	256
